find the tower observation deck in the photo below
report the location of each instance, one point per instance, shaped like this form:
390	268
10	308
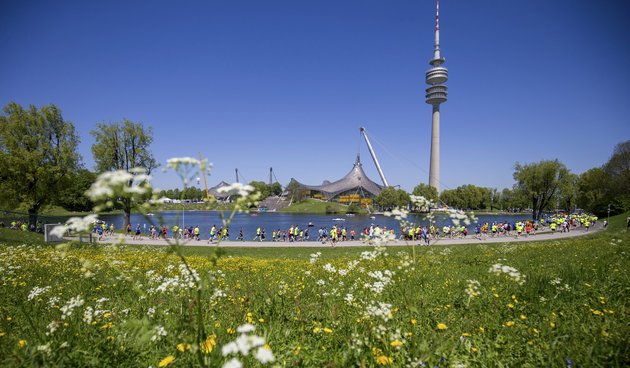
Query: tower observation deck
436	94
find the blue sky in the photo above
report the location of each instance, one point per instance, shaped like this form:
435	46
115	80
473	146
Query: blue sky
287	84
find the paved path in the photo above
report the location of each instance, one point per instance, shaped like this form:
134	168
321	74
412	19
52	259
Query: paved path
357	243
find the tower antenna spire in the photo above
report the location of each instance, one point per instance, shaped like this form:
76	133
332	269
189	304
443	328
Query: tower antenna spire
436	49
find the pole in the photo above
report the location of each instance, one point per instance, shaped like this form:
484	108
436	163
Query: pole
183	215
205	182
378	166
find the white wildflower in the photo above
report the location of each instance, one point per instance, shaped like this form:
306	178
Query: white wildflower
512	272
37	291
233	363
240	189
246	328
158	333
264	355
74	302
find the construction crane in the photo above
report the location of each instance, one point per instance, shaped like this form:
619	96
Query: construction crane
378	166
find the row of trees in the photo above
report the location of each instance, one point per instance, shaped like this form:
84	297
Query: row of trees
543	186
40	164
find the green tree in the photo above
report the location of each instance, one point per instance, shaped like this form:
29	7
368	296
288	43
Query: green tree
593	193
123	146
72	197
426	191
295	191
391	197
540	183
261	187
618	171
275	189
38	150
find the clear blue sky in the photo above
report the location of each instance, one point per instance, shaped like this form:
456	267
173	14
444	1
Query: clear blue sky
254	84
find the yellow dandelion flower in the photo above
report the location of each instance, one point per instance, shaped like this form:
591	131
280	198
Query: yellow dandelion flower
466	334
396	343
21	344
473	349
510	305
261	320
597	312
166	361
107	325
316	330
552	324
384	360
495	295
328	330
413	322
509	324
208	345
523	317
587	284
442	326
183	347
605	333
217	324
231	331
2	333
107	315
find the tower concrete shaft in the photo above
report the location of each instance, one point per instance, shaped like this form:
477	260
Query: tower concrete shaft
437	94
434	168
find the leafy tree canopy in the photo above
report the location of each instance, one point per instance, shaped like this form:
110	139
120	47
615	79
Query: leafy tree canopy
38	151
123	146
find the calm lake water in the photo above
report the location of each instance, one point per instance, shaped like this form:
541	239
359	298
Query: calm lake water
274	221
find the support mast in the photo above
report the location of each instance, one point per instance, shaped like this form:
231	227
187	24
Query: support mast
378	166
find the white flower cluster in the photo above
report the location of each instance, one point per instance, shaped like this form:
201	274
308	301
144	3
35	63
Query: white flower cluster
243	344
421	203
369	256
472	289
37	291
240	189
315	257
397	213
88	315
158	333
330	268
52	327
114	183
458	216
379	310
512	272
75	302
76	224
381	280
283	288
187	279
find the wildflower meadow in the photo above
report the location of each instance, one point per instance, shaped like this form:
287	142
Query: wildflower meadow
552	303
560	303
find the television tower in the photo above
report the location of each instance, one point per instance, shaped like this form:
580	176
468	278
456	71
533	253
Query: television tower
436	76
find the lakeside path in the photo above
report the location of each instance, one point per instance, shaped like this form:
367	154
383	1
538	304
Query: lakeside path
547	235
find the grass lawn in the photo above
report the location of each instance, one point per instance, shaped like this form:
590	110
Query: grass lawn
561	303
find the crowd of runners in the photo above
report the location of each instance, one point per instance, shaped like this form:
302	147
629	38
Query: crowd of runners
338	233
